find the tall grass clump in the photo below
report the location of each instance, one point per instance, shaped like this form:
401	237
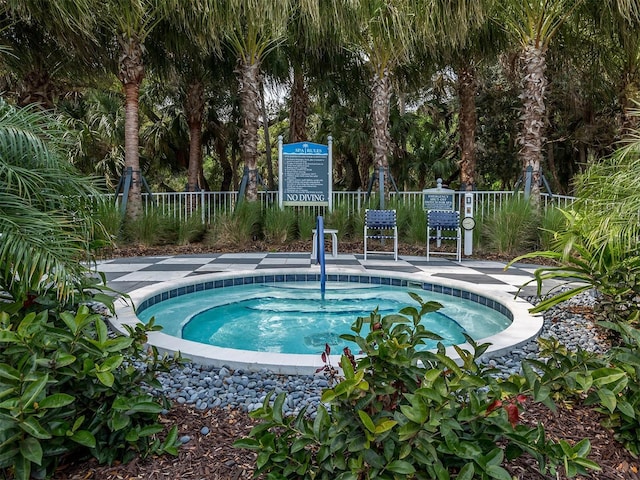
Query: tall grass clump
340	220
511	228
151	228
415	228
236	228
279	225
552	221
108	215
306	221
190	229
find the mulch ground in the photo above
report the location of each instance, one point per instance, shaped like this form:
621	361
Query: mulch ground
213	457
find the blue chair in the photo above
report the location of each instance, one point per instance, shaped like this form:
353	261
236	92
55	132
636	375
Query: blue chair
380	225
444	226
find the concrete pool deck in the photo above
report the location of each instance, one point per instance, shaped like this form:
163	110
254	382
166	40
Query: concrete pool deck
143	277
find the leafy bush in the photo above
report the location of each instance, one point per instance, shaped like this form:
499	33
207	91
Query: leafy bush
609	381
403	412
279	225
69	389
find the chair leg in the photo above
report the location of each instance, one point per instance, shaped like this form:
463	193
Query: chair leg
365	243
395	244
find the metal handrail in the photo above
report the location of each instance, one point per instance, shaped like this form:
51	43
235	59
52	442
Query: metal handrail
320	253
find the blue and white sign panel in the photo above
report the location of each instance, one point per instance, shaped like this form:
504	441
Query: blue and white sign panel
438	198
305	174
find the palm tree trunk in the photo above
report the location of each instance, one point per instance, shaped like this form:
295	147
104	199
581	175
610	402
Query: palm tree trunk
267	140
299	108
131	73
194	106
381	101
531	138
628	93
467	95
131	146
250	103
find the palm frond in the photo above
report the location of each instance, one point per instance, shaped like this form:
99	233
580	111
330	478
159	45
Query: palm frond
45	205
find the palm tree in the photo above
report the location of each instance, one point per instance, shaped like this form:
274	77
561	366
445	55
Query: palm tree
44	49
252	30
45	217
383	32
128	24
533	24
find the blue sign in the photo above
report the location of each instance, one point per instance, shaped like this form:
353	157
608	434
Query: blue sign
305	174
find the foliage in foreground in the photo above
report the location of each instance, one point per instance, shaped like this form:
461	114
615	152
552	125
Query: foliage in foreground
401	412
46	227
69	389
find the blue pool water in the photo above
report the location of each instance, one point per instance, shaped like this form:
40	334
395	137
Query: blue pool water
294	318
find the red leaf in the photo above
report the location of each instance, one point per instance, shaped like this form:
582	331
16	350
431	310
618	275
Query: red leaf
495	404
327	349
513	414
521	398
324	357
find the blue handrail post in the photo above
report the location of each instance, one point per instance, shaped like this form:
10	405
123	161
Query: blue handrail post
320	250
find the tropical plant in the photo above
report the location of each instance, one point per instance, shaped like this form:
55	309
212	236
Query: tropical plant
404	412
45	206
599	244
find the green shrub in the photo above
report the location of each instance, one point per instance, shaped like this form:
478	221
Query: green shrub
610	382
69	389
401	412
279	225
511	228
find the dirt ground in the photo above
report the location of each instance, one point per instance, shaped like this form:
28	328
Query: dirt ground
213	457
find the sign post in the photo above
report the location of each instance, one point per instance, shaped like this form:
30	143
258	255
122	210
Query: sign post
305	172
438	198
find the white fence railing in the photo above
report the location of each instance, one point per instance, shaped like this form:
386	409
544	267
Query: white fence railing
210	204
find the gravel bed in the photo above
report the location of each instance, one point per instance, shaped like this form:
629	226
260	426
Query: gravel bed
207	387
